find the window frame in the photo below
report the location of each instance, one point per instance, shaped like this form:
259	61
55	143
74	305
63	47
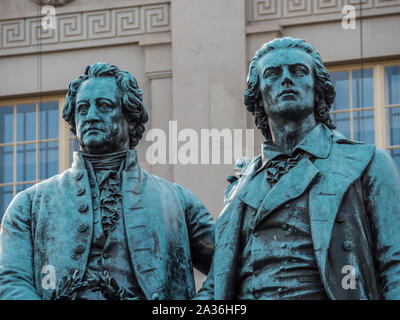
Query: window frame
378	69
63	134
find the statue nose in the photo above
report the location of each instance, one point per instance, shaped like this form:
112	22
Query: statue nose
287	82
286	79
92	114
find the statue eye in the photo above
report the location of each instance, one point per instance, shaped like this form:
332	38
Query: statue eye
82	108
271	73
105	105
300	70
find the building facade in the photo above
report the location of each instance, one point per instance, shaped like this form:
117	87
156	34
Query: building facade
191	59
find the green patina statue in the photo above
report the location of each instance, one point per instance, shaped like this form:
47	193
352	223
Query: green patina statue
316	215
105	228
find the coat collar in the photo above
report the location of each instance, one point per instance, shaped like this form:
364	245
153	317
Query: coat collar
317	142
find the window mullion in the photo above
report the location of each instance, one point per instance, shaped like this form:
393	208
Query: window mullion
37	143
15	151
63	144
351	104
379	102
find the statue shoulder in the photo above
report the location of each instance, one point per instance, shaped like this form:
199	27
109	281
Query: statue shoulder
243	166
352	148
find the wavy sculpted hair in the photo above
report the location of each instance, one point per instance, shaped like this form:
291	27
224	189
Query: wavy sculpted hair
323	86
131	98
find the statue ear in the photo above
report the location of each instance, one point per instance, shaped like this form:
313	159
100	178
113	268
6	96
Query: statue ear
317	98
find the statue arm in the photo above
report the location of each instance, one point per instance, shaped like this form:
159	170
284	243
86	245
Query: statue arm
381	186
201	230
207	290
16	251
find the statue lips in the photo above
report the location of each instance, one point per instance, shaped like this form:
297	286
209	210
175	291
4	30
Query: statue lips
92	130
288	94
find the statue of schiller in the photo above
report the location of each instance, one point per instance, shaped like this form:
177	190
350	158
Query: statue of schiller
316	215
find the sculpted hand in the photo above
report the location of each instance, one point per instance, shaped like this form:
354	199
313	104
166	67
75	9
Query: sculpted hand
107	285
69	287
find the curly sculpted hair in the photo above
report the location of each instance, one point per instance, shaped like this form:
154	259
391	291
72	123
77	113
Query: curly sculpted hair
323	86
131	98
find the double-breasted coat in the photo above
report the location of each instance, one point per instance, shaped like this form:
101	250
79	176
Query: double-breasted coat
168	230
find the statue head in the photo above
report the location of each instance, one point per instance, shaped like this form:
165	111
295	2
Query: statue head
104	109
287	79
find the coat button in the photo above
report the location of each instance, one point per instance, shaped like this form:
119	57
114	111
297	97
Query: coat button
287	205
256	234
283	245
284	226
280	290
80	191
155	296
83	227
256	295
79	175
347	245
79	249
83	207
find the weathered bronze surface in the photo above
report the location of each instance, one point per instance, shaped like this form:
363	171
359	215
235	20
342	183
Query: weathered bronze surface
105	229
316	215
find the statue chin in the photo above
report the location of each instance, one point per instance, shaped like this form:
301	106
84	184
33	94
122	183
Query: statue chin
94	146
291	110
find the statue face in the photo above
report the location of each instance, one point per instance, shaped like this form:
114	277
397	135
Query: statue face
287	84
101	126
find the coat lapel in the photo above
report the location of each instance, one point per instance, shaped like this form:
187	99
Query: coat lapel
344	165
291	185
139	232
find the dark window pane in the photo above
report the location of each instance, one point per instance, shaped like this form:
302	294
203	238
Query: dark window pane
48	120
6	124
48	159
26	156
363	88
22	187
342	122
392	84
364	127
395	153
393	121
341	81
6	195
6	164
73	146
26	122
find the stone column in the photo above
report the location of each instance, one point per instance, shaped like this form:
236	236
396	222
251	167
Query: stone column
209	73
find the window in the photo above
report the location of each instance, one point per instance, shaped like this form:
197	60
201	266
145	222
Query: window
367	104
392	106
353	110
31	144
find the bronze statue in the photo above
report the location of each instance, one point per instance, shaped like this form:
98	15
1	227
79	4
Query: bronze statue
105	227
316	215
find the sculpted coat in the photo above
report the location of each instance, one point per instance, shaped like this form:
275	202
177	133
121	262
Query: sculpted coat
168	230
354	211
